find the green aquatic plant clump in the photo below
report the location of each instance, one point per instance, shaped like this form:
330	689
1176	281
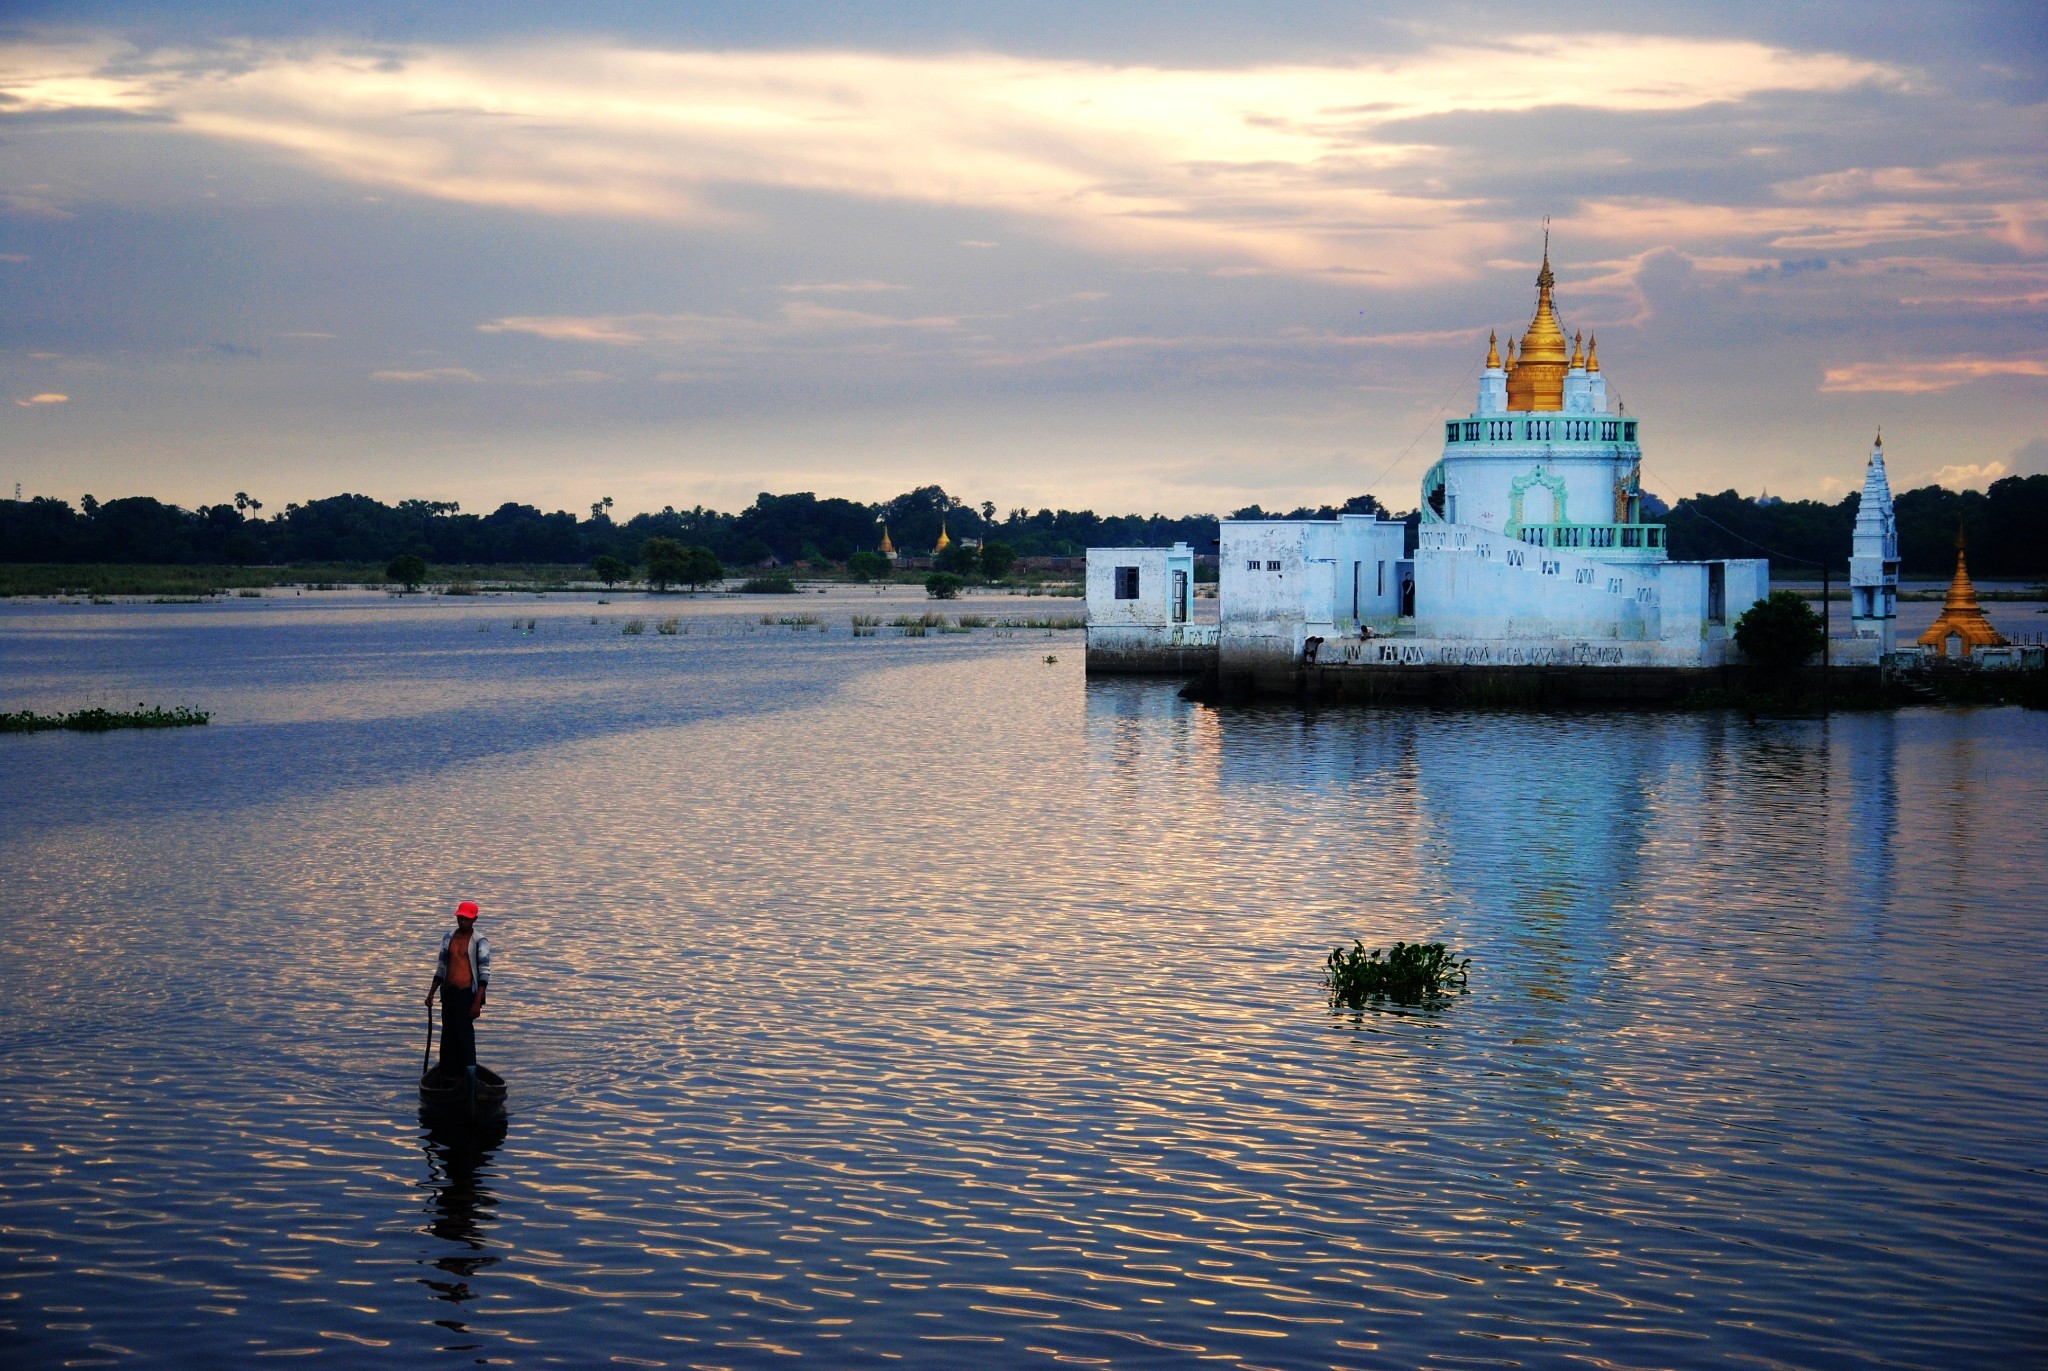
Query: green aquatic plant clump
1408	974
104	720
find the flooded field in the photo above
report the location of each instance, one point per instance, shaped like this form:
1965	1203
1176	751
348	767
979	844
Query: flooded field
909	1000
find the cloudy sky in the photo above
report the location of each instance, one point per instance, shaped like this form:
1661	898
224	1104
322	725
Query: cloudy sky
1168	257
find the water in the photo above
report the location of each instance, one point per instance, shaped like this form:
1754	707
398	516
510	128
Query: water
894	1001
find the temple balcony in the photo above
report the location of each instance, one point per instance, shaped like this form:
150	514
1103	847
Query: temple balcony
1602	542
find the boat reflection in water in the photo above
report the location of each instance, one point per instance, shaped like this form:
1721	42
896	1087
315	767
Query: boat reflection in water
461	1210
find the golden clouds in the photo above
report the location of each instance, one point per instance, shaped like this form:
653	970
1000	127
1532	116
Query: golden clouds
1918	377
1296	168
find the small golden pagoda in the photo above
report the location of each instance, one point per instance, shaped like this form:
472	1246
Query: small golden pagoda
1961	616
944	541
887	549
1536	375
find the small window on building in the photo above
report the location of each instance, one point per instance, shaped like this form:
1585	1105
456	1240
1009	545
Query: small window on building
1252	565
1628	431
1383	580
1272	566
1451	432
1126	583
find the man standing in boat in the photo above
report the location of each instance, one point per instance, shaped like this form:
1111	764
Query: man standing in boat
463	976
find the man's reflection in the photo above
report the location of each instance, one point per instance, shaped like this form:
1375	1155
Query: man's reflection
462	1207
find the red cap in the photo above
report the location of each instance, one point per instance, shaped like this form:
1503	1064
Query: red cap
466	910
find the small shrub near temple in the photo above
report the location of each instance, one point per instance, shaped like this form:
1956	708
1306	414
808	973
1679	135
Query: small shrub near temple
776	584
1410	973
944	585
1781	632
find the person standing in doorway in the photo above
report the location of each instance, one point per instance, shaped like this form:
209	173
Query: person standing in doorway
463	976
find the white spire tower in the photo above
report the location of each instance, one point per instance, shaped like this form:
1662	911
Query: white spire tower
1874	558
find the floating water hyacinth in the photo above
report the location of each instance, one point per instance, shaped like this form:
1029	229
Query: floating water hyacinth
1412	972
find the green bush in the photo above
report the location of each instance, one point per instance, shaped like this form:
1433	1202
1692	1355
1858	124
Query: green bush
777	583
944	585
958	558
1410	973
1782	631
407	570
666	564
701	566
611	570
997	559
867	566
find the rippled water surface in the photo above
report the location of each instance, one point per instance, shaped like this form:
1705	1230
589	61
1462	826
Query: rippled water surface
893	1001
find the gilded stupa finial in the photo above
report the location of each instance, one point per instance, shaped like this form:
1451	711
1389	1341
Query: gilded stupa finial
944	541
1578	352
1492	350
1538	379
1593	353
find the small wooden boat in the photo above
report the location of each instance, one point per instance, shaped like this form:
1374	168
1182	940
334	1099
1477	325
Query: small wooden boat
475	1093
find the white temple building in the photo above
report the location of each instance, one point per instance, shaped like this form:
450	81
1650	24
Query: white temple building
1532	551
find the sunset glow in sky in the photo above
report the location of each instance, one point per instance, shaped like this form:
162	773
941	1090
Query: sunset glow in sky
1183	258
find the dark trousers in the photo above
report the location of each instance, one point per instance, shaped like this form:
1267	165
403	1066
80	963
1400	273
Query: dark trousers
458	1032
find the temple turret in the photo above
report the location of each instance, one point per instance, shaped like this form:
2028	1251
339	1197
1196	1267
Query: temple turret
1596	384
887	549
1578	393
1493	381
945	540
1962	617
1874	558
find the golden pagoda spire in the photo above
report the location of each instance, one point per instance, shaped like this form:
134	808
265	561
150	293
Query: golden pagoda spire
1492	350
1578	352
1511	352
944	541
1593	354
1538	382
1961	616
888	549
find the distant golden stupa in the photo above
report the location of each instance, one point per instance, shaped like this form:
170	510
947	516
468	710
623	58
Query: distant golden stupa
944	541
887	549
1961	616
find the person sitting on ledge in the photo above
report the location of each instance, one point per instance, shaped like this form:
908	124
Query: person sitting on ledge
463	976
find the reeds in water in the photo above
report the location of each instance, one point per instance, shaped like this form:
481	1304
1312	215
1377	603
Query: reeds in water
1048	622
973	621
799	620
669	627
104	720
864	625
634	628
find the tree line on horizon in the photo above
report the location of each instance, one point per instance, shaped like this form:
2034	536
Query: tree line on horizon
2005	526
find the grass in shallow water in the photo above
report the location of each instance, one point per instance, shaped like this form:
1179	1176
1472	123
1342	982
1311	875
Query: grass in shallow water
104	720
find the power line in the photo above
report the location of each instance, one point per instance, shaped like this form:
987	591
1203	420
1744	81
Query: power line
1427	427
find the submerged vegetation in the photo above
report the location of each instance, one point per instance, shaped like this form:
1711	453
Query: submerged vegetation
1409	974
104	720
